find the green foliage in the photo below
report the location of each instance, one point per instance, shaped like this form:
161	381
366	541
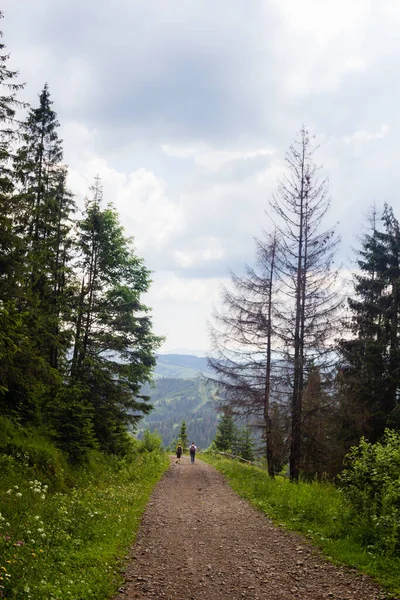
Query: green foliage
242	444
64	541
151	442
183	438
91	398
369	376
318	510
26	453
371	482
225	433
114	348
72	419
9	239
232	438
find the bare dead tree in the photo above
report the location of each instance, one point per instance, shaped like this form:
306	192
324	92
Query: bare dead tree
242	340
288	307
310	302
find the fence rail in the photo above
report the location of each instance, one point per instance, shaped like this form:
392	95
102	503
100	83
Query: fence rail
249	462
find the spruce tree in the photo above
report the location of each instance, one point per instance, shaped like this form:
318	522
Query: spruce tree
9	132
44	222
183	438
369	378
20	364
225	433
114	347
242	443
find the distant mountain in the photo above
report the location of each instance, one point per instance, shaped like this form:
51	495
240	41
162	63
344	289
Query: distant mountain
181	393
181	366
185	351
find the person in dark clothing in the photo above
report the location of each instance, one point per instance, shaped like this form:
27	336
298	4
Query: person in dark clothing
192	451
178	453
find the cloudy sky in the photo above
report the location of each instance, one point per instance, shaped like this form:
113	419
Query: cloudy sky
185	108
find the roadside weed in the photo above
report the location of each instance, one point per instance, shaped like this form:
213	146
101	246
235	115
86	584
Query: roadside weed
60	545
319	510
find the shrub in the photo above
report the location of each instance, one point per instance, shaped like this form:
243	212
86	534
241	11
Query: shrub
24	450
151	442
371	481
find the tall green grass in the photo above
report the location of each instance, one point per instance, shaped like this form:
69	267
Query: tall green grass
318	510
64	532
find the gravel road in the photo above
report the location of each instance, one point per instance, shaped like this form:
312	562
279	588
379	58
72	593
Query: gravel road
200	541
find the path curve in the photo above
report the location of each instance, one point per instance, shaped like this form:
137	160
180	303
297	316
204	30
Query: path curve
199	541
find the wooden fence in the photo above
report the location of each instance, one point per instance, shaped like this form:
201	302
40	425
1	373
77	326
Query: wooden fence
249	462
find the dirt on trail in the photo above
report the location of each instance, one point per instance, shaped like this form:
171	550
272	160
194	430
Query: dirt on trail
199	541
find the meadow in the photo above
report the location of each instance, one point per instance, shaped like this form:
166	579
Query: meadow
64	531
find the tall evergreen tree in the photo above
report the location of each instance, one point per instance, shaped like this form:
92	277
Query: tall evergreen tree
9	130
37	165
20	366
183	438
225	432
369	377
114	348
44	222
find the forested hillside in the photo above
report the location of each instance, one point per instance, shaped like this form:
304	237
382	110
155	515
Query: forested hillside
176	400
181	365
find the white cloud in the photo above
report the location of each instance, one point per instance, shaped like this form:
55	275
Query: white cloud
367	136
140	198
185	110
204	249
183	309
324	20
212	158
184	291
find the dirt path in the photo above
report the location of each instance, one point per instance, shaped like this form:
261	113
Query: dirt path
200	541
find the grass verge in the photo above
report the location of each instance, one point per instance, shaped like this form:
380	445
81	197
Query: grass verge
67	535
318	510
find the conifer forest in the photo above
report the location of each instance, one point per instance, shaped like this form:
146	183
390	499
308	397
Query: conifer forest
308	358
76	339
301	377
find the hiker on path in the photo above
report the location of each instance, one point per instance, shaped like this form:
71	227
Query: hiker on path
192	451
179	453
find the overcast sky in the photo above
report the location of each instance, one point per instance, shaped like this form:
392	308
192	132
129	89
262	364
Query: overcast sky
185	108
